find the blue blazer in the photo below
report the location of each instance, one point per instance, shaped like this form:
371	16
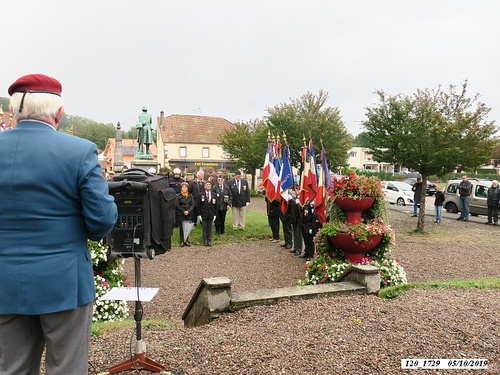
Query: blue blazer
52	199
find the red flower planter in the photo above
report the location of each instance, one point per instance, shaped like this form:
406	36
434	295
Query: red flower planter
355	207
355	252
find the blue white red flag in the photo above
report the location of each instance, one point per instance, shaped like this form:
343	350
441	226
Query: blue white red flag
286	179
313	173
304	177
270	177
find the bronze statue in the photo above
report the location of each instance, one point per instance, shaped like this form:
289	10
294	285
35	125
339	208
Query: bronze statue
145	133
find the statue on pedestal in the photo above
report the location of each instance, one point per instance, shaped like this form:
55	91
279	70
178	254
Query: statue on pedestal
145	133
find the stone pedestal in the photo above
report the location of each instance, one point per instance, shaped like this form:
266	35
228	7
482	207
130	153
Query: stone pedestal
145	164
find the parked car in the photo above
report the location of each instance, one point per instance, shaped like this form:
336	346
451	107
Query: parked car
477	205
431	186
398	192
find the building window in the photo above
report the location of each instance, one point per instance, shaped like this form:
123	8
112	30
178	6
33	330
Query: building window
182	151
205	152
353	154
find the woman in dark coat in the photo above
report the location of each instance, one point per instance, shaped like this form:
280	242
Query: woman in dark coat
184	204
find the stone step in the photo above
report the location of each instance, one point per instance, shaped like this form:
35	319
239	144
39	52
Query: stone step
245	299
214	297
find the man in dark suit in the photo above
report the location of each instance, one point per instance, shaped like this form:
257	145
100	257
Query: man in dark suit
206	203
239	198
196	187
221	192
54	198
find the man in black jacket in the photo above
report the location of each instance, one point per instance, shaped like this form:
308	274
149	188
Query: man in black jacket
206	204
417	192
196	187
176	180
465	190
239	198
221	192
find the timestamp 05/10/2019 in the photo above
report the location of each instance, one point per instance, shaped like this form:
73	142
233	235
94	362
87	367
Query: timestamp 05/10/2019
444	363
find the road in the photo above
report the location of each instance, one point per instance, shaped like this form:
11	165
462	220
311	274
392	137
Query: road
429	211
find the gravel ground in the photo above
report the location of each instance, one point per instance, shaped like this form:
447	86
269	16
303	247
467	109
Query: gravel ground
358	334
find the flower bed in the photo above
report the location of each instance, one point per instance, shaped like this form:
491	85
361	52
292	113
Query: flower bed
107	274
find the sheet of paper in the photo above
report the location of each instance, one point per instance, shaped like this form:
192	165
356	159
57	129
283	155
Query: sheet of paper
131	294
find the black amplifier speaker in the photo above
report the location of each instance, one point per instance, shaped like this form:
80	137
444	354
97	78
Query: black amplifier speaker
131	236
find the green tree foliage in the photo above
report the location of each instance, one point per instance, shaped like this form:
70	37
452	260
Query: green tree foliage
433	132
132	133
495	156
309	117
361	140
82	127
306	117
4	102
246	145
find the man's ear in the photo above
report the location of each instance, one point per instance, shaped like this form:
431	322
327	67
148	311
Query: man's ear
59	115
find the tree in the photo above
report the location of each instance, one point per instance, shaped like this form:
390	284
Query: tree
360	140
433	132
4	102
495	156
246	145
89	129
305	117
309	117
82	127
132	133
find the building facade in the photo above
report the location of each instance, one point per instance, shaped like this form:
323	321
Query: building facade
360	158
192	143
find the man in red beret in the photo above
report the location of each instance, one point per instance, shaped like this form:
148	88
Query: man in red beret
55	200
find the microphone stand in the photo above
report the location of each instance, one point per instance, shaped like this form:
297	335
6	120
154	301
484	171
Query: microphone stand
139	361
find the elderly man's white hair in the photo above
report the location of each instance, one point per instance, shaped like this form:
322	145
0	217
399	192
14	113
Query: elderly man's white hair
35	105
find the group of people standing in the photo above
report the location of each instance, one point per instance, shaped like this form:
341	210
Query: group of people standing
465	192
492	200
208	201
300	224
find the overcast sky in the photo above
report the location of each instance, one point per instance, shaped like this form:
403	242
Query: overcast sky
234	59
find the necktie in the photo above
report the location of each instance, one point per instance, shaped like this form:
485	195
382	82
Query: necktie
239	187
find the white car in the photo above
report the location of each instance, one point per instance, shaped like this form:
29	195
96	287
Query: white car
398	192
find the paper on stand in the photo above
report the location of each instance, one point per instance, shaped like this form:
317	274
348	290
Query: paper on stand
131	294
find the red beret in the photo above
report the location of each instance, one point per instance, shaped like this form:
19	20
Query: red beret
36	83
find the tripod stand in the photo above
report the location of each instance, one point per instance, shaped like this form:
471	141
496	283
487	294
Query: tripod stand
139	361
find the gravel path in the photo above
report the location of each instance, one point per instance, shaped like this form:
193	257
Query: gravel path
359	334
